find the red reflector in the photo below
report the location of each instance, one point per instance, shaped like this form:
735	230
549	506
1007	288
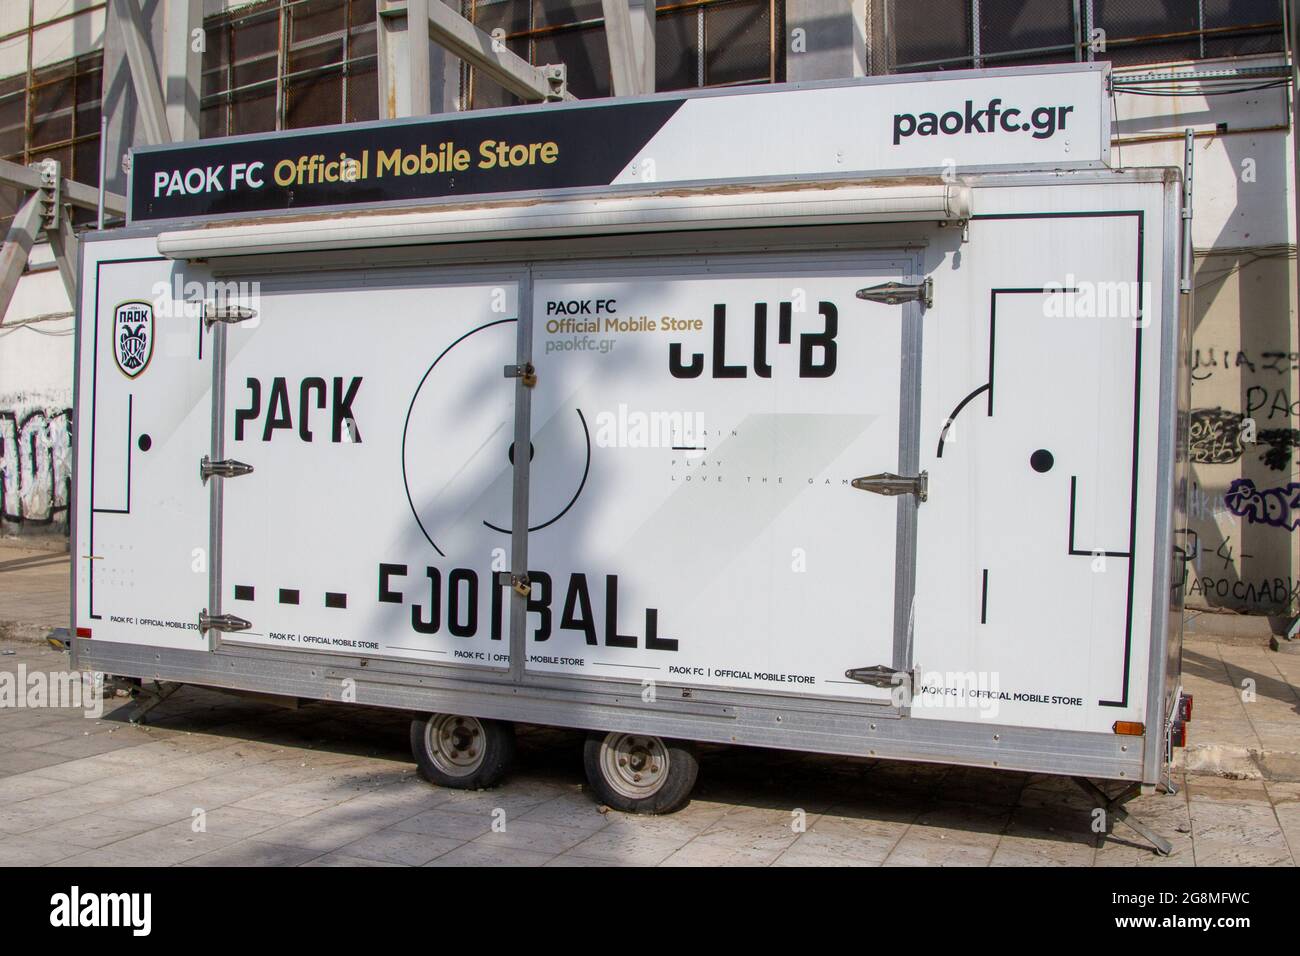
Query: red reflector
1178	735
83	632
1185	707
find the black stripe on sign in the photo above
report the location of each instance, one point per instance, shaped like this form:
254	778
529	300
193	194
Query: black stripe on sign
288	595
335	599
589	145
984	598
243	592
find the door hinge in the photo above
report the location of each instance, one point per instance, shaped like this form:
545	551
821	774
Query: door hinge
889	484
230	314
895	293
221	622
525	372
880	675
225	468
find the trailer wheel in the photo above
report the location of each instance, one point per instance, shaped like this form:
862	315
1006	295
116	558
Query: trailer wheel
637	773
463	753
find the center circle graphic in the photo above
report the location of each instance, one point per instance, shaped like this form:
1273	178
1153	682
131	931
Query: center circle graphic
458	444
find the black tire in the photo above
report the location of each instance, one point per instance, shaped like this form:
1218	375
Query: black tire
638	773
464	753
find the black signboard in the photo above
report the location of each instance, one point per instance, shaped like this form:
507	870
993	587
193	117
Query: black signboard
549	147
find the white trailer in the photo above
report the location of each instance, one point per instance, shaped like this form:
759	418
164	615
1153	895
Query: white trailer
811	418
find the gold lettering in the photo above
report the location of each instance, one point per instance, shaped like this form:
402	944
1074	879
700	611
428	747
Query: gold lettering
388	162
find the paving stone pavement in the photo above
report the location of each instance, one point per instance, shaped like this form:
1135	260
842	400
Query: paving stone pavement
1246	718
215	780
33	585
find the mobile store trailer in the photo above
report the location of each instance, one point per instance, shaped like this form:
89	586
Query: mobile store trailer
839	417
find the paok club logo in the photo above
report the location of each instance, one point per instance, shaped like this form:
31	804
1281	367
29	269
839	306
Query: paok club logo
133	337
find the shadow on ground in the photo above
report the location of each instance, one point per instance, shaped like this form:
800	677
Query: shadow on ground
1213	669
968	802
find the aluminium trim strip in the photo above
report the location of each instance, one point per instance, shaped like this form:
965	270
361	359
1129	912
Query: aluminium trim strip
911	203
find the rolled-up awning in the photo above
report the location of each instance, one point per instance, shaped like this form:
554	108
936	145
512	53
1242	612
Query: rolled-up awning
926	201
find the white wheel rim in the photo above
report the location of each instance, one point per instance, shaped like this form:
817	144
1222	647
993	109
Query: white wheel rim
455	744
634	766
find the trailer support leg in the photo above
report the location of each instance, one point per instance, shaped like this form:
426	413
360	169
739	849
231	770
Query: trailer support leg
1115	812
149	699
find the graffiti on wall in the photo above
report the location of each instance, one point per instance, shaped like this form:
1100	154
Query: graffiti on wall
1216	433
1243	434
35	466
1206	361
1228	590
1219	437
1278	507
1215	436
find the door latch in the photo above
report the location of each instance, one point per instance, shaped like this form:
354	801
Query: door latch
896	293
888	484
527	373
221	622
225	468
519	583
230	314
880	675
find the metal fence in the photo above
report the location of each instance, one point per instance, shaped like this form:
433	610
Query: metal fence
286	64
52	113
697	43
920	35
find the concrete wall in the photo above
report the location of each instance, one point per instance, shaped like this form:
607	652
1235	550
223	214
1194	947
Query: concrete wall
1245	378
37	338
1244	371
36	405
